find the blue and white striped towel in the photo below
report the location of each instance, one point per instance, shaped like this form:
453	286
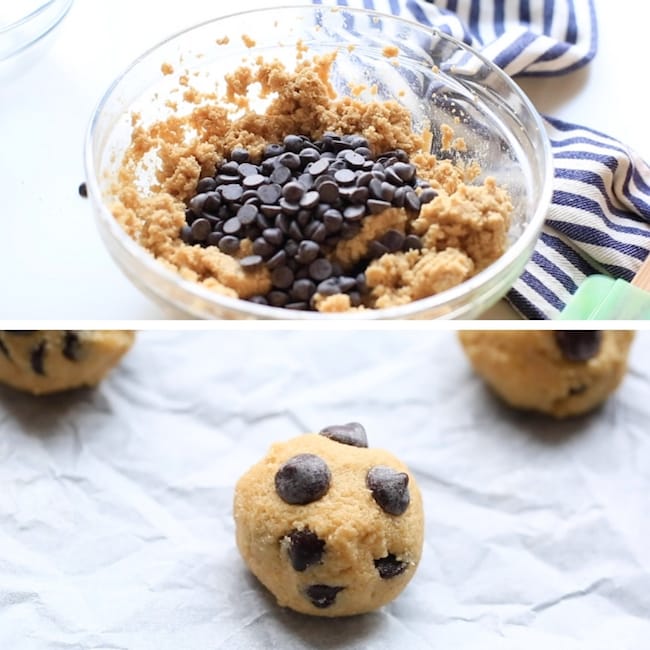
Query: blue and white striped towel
599	220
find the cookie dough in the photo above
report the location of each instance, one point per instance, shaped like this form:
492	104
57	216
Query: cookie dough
561	373
48	361
463	230
329	526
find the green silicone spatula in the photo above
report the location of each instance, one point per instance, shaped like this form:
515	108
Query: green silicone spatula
602	298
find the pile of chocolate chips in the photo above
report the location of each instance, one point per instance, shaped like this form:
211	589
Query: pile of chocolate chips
296	204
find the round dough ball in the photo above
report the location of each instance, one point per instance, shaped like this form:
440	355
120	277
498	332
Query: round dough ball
340	553
561	373
49	361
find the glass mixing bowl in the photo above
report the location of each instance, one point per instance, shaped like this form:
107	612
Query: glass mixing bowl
24	23
440	81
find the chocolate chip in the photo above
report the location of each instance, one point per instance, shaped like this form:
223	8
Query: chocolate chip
404	170
37	358
579	345
390	567
262	248
308	251
200	229
302	290
354	159
393	240
293	143
253	181
251	261
412	242
277	260
375	206
320	269
273	149
427	195
303	479
389	489
232	226
304	548
328	191
351	433
247	214
310	200
229	244
293	192
229	168
71	346
289	160
231	193
277	298
411	202
309	155
344	176
83	190
196	204
186	234
332	220
240	155
269	193
207	184
319	167
282	277
376	249
247	169
211	204
329	287
322	596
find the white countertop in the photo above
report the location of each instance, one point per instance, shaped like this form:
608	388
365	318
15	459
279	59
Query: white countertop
52	262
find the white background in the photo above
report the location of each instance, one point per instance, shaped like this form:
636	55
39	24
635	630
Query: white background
52	262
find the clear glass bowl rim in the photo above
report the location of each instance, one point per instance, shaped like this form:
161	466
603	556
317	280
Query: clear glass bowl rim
64	7
248	309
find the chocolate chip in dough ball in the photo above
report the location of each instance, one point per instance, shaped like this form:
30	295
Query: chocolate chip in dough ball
322	596
351	433
388	567
304	548
577	345
302	479
389	489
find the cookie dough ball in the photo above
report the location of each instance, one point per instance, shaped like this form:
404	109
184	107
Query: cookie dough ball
561	373
48	361
329	526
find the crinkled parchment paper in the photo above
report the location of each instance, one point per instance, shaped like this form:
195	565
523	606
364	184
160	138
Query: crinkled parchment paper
115	503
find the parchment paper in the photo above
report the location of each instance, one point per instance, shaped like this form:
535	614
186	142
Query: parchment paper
115	503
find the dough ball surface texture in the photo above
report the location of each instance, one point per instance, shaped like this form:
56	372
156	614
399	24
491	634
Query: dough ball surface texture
341	553
561	373
49	361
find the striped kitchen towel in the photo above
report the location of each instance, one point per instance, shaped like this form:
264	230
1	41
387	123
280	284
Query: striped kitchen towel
599	219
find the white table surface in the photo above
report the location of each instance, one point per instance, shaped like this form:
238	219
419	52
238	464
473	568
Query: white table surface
52	262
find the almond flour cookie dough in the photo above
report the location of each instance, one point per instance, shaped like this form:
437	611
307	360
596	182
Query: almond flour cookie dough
561	373
458	232
48	361
329	526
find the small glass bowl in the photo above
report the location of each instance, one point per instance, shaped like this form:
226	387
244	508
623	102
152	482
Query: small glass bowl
439	79
24	23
